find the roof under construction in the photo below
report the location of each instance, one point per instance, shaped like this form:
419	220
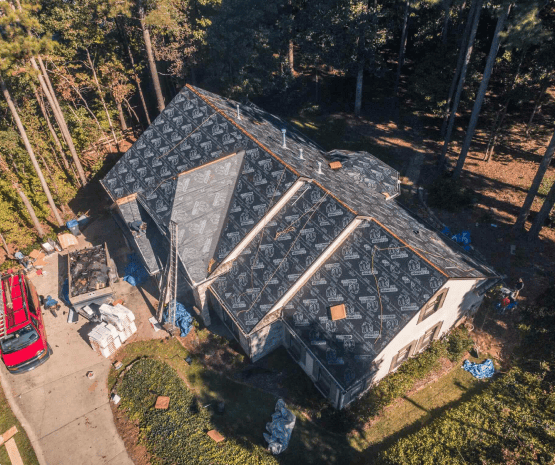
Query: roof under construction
235	182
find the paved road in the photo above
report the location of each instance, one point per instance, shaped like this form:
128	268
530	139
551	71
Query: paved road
67	416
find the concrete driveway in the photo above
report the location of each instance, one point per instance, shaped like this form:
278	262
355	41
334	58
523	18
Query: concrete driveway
66	415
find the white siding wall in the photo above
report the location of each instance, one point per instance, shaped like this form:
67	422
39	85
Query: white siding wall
458	301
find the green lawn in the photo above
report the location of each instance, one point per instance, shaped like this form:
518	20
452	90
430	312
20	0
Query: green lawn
248	409
7	420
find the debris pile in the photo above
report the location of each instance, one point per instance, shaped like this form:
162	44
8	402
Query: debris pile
89	270
118	325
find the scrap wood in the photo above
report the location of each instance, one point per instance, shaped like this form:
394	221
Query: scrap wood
162	403
8	434
13	452
217	437
35	254
67	240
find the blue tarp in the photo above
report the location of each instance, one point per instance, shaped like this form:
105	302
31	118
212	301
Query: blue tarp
480	370
462	238
280	428
135	272
183	319
65	293
50	302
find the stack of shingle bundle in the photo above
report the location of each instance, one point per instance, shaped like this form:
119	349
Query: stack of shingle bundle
121	318
118	325
104	340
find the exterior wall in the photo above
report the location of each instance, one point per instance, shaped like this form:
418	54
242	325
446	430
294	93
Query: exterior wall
266	340
210	301
201	301
459	301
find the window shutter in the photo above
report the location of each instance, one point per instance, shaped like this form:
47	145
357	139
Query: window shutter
443	295
393	363
438	330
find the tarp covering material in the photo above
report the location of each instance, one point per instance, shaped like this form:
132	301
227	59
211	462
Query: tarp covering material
65	293
280	428
50	302
183	319
135	272
480	370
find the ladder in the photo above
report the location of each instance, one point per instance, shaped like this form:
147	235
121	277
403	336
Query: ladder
168	289
2	314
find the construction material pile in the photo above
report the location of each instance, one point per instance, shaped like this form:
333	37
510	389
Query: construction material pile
118	325
89	270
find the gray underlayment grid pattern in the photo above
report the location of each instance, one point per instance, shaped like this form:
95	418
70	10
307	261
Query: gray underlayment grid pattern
218	175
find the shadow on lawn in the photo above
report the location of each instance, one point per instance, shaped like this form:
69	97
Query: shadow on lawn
431	414
247	410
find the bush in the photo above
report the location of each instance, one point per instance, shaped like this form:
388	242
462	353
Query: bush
178	435
459	342
449	194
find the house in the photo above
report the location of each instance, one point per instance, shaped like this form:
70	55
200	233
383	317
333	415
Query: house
290	245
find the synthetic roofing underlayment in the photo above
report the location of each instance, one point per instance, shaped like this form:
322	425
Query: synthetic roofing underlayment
217	173
280	254
382	284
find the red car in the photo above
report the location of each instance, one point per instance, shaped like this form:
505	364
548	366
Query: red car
23	345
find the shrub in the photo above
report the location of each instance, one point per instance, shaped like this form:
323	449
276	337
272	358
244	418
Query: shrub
449	194
178	435
458	343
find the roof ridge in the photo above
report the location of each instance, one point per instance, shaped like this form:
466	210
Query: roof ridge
261	145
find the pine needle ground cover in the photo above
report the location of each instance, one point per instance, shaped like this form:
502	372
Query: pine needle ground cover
178	435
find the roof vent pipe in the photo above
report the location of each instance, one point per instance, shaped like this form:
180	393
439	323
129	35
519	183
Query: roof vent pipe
238	112
320	168
283	131
301	154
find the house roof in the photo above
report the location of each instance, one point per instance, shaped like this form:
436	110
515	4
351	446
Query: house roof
280	254
381	281
198	151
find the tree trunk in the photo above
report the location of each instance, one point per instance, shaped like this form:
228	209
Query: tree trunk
460	86
151	61
358	96
30	210
481	91
291	57
101	95
501	116
537	103
122	122
460	61
402	48
27	144
532	192
121	30
545	210
57	142
446	18
48	91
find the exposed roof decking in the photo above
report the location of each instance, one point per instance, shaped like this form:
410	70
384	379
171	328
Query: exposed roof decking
280	254
382	284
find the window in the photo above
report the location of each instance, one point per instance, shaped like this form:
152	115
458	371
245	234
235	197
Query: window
429	336
295	349
402	355
433	305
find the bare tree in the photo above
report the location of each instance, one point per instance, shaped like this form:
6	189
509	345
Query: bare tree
151	61
494	48
544	212
402	48
533	191
30	151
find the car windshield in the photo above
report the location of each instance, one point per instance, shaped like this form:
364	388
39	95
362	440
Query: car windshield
19	339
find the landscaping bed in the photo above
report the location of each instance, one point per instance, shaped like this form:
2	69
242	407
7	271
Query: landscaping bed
179	434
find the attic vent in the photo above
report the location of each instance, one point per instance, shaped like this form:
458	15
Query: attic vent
337	312
416	231
335	165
